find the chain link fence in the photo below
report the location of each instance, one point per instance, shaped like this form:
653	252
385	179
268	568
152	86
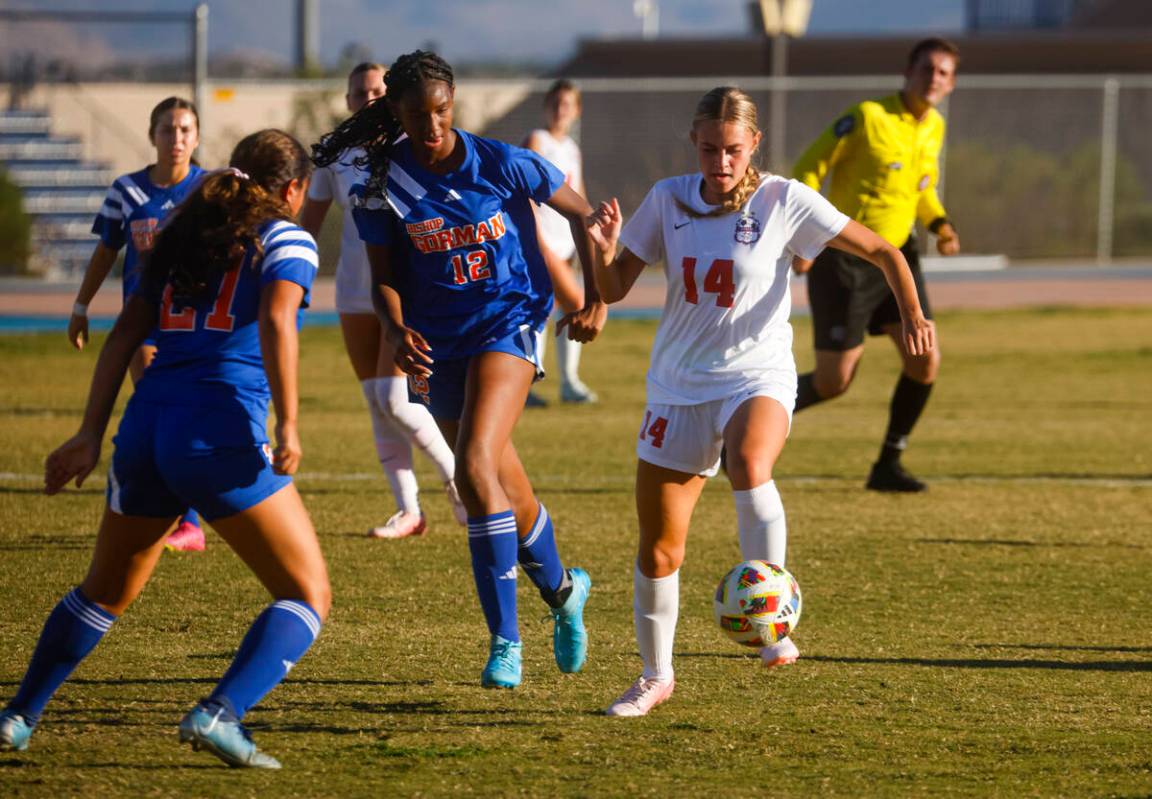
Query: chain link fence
1034	167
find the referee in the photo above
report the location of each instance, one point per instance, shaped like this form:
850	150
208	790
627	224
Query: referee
883	156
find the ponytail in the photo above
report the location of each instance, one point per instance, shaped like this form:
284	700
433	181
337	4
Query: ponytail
220	221
374	128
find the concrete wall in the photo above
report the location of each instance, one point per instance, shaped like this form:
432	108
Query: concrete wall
112	118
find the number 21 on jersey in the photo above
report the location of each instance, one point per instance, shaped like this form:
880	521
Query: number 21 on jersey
717	280
220	317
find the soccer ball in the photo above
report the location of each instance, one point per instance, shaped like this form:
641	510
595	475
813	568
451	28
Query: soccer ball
757	603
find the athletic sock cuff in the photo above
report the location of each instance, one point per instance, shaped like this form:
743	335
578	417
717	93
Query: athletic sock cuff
87	611
492	524
303	611
542	519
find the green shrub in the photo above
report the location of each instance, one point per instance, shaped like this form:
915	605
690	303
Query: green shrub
15	228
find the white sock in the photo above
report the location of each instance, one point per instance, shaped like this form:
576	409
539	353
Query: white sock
417	423
394	453
655	608
760	522
568	360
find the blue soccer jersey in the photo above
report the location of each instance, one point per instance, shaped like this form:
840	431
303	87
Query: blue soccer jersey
131	215
465	258
209	353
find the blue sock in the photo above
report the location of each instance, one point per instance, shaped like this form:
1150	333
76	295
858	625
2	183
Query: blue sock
492	541
539	557
73	629
276	640
192	517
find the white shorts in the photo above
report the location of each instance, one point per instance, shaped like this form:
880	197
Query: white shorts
688	438
354	286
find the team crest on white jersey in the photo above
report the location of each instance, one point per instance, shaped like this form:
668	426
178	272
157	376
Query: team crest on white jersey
747	228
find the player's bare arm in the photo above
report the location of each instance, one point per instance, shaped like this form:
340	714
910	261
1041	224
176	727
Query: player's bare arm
78	456
99	266
583	325
280	348
919	333
618	272
312	216
410	348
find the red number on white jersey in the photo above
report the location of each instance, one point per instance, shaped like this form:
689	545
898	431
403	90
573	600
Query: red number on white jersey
478	269
220	317
654	429
718	281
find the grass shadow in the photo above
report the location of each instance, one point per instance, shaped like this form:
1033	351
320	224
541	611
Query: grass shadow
1017	542
1066	647
976	663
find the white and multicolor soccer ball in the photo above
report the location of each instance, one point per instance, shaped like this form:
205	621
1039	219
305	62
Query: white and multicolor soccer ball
757	603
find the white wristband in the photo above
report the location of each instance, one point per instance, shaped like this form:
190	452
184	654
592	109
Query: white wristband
79	309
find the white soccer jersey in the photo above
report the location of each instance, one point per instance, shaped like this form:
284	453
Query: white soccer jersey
725	320
564	155
353	275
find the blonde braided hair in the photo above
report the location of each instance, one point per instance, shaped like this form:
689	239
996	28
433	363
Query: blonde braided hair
730	104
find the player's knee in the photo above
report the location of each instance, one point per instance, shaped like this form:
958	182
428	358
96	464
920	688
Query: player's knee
832	383
112	595
476	470
395	406
661	560
923	368
319	597
746	467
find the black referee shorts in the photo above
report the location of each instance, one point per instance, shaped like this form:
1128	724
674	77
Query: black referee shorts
849	296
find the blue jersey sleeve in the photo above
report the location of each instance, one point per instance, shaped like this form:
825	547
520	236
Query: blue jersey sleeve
533	174
111	220
375	225
289	254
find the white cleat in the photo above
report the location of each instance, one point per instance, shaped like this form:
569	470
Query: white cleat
578	393
781	653
458	509
641	697
401	525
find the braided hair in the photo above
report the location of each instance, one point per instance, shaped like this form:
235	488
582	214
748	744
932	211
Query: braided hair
374	128
219	222
729	104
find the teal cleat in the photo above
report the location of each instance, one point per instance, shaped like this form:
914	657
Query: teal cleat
213	728
503	668
14	732
569	638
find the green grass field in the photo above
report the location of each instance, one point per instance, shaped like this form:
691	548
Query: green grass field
989	638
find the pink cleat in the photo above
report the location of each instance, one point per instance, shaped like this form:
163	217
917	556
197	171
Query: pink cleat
458	509
641	697
781	653
187	537
401	525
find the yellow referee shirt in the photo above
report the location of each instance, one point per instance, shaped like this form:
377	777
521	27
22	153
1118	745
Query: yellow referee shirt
884	164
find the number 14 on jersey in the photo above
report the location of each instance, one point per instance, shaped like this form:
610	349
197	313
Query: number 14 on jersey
717	280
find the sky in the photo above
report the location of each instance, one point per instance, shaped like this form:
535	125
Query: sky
463	30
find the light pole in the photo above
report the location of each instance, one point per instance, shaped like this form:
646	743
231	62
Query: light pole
782	19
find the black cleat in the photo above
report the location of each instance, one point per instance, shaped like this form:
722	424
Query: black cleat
534	400
890	476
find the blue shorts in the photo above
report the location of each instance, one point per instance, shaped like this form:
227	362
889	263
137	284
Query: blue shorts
443	391
170	458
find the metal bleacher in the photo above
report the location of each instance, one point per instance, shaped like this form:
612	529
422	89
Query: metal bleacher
62	192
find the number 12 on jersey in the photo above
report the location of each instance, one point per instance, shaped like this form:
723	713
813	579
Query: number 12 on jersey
478	269
717	280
